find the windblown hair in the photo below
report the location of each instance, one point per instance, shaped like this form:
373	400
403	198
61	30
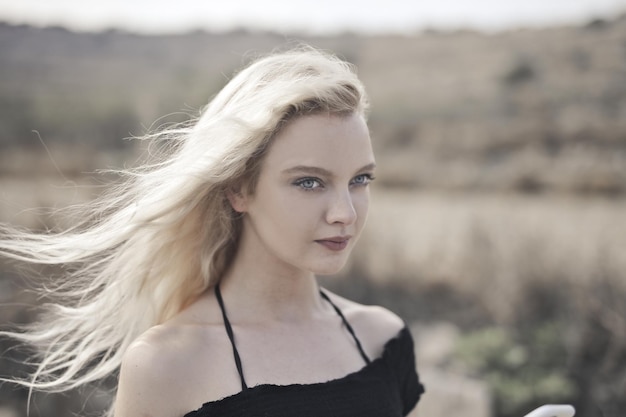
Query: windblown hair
167	233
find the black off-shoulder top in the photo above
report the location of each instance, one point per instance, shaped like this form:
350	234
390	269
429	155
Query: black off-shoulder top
385	387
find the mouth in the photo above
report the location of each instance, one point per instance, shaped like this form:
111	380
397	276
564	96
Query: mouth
336	243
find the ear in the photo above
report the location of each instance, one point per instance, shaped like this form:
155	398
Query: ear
237	199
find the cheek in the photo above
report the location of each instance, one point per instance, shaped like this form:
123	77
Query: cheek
289	212
302	213
361	205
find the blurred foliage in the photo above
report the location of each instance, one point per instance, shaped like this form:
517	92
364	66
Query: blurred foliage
521	369
521	73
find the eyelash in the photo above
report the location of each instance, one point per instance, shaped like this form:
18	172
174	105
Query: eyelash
368	178
300	182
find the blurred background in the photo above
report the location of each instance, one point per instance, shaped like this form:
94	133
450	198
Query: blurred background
498	222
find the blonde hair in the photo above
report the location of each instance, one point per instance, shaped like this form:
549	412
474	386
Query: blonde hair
164	235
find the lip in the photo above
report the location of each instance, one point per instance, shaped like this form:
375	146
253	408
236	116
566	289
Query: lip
335	243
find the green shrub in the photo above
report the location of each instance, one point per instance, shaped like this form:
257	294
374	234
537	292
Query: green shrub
522	368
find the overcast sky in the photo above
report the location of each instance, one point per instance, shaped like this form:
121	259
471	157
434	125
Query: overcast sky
319	16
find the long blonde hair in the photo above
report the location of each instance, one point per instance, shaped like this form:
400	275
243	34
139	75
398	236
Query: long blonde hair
166	233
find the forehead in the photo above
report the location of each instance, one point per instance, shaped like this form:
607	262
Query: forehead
322	140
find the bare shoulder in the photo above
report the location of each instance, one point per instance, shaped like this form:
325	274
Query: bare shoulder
159	350
374	325
152	370
175	367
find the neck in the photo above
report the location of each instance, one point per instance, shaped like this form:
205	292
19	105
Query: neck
271	300
258	288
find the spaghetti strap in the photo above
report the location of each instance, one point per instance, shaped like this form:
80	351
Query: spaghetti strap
231	336
348	327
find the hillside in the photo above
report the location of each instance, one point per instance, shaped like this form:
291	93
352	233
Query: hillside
528	110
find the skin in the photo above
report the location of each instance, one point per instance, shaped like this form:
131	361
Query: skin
313	186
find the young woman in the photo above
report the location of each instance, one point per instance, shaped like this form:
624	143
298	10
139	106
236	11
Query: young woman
196	278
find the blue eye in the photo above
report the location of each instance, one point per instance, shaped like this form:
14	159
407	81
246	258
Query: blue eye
362	179
308	184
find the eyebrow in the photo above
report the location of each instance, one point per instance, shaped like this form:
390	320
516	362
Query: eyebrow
322	171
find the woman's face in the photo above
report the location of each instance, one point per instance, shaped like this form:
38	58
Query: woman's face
312	195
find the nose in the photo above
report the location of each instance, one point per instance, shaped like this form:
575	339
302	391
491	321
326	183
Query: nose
341	208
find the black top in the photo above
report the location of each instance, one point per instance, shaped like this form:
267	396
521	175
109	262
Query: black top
385	387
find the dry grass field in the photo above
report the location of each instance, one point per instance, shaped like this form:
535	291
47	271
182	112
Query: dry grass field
494	245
